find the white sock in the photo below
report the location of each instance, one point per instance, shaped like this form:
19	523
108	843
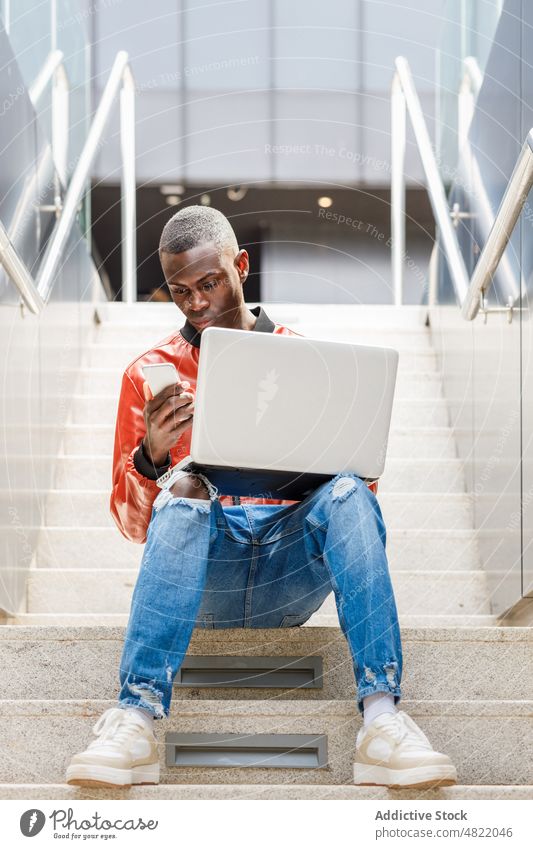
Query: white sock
146	715
377	703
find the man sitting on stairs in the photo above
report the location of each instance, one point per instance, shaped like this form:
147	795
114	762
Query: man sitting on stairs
217	562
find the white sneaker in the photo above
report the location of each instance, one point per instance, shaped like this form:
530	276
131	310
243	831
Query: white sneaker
393	751
125	753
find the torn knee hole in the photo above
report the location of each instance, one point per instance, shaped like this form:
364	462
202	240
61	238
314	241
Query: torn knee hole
148	697
193	488
197	489
342	487
390	671
166	497
369	675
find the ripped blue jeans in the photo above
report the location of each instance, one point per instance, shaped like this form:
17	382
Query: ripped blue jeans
261	566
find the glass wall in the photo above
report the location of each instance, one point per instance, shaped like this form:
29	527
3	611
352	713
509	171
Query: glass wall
40	355
487	365
468	33
36	29
258	91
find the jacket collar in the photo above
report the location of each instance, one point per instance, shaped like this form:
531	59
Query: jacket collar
263	325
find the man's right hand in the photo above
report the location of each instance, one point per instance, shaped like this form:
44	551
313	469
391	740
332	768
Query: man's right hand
166	416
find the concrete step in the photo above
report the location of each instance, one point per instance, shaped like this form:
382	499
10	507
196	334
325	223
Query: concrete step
404	443
478	736
99	355
458	792
109	591
420	620
454	662
94	472
140	339
79	508
80	548
106	381
430	593
384	316
428	475
102	409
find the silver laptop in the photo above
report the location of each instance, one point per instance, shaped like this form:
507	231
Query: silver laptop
276	415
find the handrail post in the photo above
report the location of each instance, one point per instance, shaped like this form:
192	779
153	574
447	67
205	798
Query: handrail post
397	200
60	122
35	293
471	83
511	206
437	195
59	238
54	70
128	199
16	269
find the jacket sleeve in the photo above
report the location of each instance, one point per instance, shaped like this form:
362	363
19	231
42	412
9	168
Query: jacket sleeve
133	492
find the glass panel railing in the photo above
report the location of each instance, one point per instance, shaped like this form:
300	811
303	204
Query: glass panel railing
72	38
34	31
466	41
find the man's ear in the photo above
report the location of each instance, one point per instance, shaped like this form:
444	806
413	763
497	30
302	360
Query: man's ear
242	264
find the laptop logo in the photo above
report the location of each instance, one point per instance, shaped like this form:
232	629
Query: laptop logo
268	388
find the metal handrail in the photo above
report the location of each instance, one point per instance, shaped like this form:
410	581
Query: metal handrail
508	213
470	292
35	293
17	270
405	98
469	89
54	71
54	61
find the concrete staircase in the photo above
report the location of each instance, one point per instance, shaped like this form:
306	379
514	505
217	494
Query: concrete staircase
465	677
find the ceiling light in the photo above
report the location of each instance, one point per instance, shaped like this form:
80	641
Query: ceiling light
205	200
173	200
172	189
236	192
325	202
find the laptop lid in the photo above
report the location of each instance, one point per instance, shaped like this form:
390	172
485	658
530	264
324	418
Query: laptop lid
288	403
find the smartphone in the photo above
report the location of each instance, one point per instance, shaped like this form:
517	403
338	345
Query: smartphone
159	376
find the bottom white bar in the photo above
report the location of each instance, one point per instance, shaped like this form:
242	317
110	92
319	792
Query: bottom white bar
235	823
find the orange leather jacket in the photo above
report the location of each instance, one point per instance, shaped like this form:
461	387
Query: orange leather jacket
134	476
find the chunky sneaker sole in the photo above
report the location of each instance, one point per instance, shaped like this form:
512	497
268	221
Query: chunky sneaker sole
124	752
392	751
420	777
92	775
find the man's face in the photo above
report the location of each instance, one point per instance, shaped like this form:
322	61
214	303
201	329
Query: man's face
206	284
